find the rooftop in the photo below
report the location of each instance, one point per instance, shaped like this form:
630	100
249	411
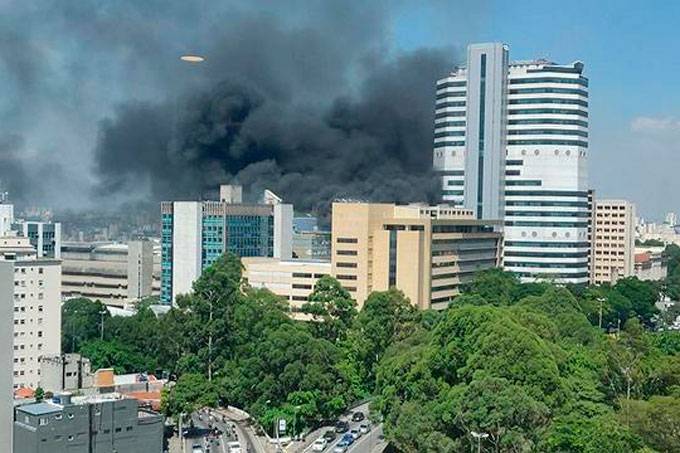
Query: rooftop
41	408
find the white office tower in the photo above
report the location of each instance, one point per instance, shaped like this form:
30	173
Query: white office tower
542	185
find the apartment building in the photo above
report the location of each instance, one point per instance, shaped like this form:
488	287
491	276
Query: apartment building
6	351
196	233
613	241
425	251
106	423
36	307
511	144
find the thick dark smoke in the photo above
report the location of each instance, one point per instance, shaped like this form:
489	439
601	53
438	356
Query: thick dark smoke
309	99
295	111
375	145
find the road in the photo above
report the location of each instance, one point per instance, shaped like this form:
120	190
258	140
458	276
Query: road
370	442
207	420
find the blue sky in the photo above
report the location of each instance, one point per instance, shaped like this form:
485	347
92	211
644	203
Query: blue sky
630	49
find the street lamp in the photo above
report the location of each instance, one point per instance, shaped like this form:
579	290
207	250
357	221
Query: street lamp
600	300
479	437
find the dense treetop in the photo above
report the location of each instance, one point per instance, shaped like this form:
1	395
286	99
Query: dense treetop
525	363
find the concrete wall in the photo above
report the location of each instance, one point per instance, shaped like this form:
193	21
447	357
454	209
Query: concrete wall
186	250
139	269
283	231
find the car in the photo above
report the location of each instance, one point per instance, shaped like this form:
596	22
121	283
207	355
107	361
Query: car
358	416
329	435
364	428
319	444
355	433
348	438
341	426
341	447
234	447
196	448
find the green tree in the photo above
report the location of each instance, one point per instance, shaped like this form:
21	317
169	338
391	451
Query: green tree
80	322
190	392
385	318
120	357
496	286
643	296
656	421
332	308
39	394
579	434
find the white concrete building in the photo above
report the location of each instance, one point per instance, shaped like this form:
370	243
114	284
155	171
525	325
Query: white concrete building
196	233
511	142
6	352
37	308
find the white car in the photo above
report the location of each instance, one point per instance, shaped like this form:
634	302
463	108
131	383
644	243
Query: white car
364	428
196	449
319	444
234	447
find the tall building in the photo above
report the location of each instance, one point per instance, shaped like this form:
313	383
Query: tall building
613	241
195	233
511	143
106	423
6	351
425	251
36	307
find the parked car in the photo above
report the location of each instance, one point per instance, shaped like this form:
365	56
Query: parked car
341	426
329	435
355	433
364	428
319	444
358	416
196	448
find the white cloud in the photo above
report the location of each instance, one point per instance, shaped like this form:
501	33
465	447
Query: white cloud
649	124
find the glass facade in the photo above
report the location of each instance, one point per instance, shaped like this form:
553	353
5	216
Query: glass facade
250	235
166	259
212	239
244	235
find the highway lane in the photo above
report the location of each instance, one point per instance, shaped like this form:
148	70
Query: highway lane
366	443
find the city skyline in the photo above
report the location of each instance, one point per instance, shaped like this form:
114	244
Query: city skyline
392	34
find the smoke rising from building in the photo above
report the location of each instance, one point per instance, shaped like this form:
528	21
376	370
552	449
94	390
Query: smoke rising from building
315	106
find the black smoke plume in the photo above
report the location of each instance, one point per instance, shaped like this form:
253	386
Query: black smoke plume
279	111
310	98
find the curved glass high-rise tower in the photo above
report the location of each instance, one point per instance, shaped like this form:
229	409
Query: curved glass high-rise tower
511	143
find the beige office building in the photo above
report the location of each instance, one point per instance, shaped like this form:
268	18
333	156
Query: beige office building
425	251
613	241
293	280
